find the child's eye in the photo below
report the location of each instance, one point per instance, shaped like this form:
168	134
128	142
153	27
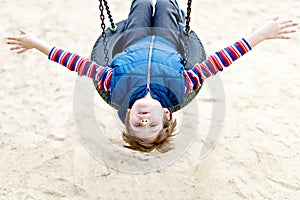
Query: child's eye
136	125
153	125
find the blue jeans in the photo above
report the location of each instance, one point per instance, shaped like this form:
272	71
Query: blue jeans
163	22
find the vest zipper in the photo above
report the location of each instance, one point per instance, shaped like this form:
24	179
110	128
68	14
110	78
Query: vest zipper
150	62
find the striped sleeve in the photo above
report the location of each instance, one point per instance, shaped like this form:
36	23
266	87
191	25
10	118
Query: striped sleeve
215	63
83	66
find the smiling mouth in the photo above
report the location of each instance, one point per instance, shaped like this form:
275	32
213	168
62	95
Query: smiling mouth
143	113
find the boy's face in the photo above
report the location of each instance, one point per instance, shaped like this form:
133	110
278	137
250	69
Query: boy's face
146	118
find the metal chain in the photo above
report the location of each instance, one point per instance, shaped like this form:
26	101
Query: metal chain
113	26
102	17
187	31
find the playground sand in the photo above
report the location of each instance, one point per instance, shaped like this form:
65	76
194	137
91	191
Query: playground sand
42	155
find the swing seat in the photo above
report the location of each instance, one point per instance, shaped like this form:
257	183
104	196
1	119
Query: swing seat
115	41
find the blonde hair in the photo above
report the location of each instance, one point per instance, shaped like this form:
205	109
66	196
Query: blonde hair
161	143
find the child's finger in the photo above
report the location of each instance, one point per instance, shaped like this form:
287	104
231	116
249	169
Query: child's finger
285	26
292	30
275	18
13	42
15	48
284	37
11	38
23	31
292	24
22	50
287	31
16	38
287	22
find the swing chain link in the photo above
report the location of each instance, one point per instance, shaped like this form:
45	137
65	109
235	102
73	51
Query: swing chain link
102	17
187	31
113	26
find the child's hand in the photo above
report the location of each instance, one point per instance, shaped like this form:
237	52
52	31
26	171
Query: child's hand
274	29
278	29
27	41
22	42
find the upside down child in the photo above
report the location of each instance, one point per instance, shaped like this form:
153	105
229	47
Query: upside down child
148	78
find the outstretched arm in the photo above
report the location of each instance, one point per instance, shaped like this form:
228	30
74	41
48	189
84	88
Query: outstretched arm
74	62
274	29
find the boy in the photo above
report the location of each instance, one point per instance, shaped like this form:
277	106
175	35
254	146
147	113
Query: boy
147	80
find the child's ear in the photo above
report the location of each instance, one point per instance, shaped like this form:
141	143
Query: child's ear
128	111
168	113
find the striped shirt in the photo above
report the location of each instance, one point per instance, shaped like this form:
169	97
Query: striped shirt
83	66
193	77
215	63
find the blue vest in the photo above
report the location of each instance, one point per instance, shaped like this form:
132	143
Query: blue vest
153	65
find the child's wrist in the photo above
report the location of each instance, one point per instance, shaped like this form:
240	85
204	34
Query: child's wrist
255	38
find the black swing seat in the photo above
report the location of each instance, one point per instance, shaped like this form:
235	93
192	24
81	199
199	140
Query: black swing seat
115	40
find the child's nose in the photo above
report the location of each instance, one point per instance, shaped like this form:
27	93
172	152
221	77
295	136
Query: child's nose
144	122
